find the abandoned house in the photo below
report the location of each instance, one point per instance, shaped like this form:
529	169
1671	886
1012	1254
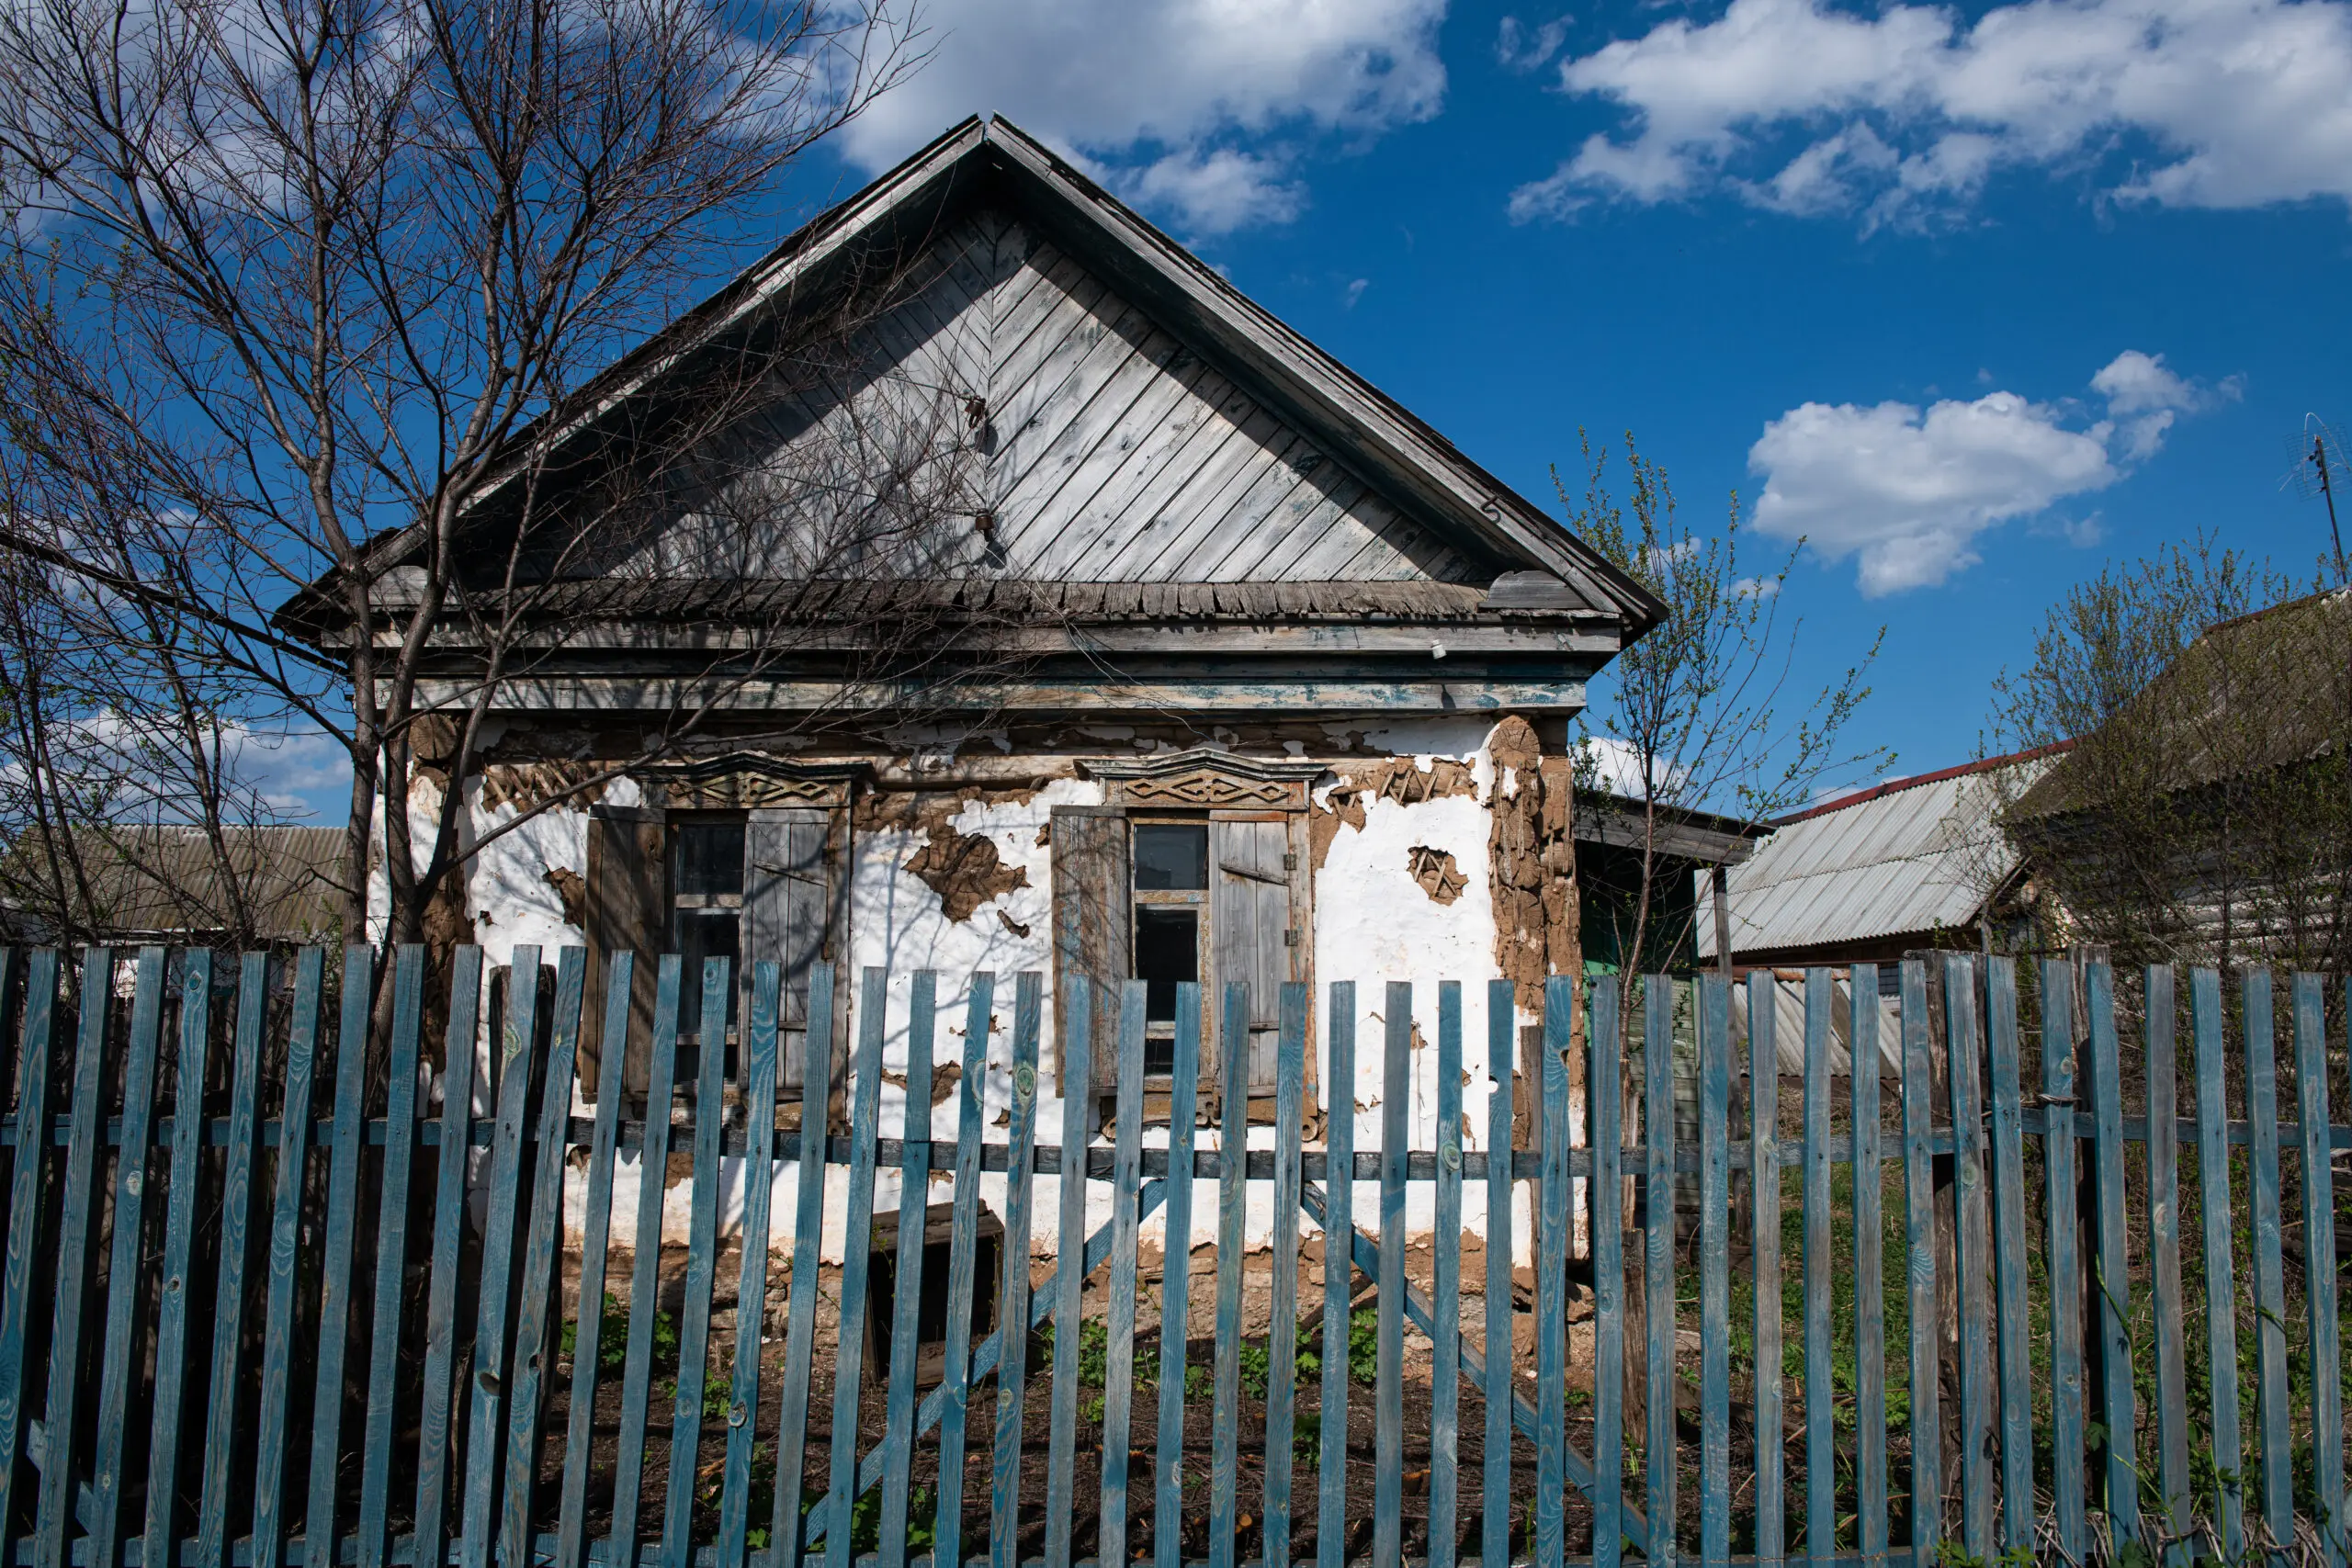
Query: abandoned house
1074	616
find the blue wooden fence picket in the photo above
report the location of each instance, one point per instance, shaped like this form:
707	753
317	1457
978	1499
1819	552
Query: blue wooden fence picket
387	1369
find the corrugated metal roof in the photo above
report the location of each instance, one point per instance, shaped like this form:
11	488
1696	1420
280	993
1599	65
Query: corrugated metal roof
1909	857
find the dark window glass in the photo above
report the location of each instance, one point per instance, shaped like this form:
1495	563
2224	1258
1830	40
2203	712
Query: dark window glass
710	858
1168	949
706	933
1171	857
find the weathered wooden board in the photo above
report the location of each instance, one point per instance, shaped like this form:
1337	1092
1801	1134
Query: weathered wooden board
131	1072
1106	449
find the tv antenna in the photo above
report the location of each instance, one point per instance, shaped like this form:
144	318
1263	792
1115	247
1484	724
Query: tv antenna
2321	463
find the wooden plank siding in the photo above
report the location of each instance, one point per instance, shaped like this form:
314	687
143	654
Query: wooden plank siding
304	1115
1113	451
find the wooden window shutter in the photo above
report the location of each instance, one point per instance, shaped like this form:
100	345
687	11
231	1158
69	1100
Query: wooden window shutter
1091	935
626	912
1258	921
793	914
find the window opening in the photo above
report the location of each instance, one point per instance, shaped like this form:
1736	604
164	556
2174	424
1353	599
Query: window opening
1171	880
706	921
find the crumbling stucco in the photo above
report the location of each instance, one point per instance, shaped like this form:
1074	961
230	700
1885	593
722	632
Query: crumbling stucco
1533	862
1407	781
1435	870
572	888
964	869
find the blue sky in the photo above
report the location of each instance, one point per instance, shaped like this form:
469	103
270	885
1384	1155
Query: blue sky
1875	258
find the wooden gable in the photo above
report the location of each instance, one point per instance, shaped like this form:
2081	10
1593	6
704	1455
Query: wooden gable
1098	447
1081	438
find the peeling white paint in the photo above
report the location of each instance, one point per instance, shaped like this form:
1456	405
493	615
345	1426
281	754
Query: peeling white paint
1373	924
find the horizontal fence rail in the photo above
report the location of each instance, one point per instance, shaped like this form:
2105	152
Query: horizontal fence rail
298	1254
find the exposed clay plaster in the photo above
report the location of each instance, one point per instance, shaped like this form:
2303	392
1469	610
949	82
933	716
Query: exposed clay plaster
572	888
965	871
1407	780
1437	874
1533	873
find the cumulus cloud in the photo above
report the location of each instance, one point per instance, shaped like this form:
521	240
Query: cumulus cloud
1906	111
1907	489
1216	191
1200	110
2145	398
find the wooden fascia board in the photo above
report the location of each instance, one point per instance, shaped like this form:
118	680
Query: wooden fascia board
1678	840
1088	695
1406	639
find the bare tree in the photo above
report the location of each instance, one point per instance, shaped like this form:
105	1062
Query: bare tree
1702	717
322	292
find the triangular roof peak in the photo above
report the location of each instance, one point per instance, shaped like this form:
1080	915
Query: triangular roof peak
993	163
979	168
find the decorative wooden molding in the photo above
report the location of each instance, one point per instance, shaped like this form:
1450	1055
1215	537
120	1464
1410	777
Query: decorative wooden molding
745	780
1206	777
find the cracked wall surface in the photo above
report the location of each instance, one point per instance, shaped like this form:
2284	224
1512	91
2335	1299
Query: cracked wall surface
1440	850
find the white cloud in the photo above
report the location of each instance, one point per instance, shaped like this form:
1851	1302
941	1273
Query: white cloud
1519	47
2145	399
298	772
134	768
1217	191
1615	766
1907	491
1155	94
1354	292
1905	112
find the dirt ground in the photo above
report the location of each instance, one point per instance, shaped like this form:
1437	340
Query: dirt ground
1257	1312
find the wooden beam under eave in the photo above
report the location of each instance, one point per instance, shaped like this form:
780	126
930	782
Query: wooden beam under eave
1106	700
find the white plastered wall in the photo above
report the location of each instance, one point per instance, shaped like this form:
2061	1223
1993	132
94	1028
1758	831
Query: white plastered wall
1373	923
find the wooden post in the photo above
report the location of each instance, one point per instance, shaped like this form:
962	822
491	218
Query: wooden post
1946	1215
1743	1197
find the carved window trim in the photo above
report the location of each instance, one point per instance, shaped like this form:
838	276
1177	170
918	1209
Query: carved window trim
1205	779
748	781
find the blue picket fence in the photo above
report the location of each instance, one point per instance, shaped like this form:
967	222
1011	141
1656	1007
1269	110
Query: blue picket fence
406	1369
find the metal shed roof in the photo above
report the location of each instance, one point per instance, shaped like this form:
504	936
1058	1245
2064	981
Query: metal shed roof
1912	856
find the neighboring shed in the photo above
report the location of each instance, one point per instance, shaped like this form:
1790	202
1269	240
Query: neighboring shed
1868	876
166	884
1609	833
